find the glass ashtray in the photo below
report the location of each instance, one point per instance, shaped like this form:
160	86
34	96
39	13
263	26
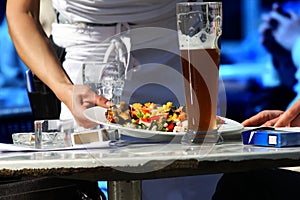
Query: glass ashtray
49	139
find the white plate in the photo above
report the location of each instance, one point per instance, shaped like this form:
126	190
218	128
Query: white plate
230	126
97	114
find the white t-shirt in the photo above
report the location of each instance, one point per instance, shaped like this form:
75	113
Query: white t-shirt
114	11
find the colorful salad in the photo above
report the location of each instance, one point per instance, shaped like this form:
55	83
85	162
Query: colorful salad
149	116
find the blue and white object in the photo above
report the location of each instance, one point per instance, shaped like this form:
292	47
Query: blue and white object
272	137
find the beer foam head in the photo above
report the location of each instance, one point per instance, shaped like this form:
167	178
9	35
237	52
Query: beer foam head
201	40
199	25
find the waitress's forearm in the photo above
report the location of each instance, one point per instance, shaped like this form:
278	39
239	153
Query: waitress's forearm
33	46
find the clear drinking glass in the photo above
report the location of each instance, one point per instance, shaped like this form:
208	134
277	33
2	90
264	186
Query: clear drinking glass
199	28
106	79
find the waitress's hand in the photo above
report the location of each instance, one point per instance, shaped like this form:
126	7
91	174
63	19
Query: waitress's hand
83	98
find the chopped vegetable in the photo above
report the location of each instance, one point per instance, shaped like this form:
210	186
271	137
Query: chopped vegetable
149	116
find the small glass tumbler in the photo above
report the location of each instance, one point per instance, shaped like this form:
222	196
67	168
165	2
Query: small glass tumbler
53	133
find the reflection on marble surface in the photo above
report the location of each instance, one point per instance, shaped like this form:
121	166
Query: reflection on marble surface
139	155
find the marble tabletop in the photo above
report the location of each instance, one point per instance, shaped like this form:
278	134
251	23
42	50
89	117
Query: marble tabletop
147	161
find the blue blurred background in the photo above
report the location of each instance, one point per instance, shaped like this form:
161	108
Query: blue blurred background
251	81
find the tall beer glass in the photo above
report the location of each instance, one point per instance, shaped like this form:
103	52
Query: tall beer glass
199	28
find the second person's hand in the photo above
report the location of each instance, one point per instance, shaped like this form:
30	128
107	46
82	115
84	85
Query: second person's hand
291	117
263	118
